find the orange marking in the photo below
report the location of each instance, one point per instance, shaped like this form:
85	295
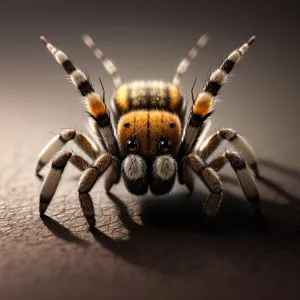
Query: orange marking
203	104
95	105
122	99
175	98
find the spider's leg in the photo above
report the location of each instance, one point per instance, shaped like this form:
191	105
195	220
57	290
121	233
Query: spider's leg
96	106
238	141
243	174
184	64
95	133
203	133
201	108
212	181
87	182
107	63
52	179
185	175
59	141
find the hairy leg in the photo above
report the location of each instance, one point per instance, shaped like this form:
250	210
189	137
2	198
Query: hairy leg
87	182
52	179
243	174
238	141
212	181
57	143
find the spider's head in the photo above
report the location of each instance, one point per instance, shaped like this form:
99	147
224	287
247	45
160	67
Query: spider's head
149	142
149	133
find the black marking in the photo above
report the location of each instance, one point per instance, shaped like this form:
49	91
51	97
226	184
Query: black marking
103	90
227	66
212	87
137	187
223	134
85	88
192	90
172	125
127	125
162	187
60	162
62	139
167	96
129	98
148	130
236	161
148	98
240	52
197	120
102	120
68	66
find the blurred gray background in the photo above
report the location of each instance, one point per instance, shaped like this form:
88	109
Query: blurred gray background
58	258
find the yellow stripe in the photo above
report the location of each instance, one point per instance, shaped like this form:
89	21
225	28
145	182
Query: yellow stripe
203	104
95	105
122	99
175	98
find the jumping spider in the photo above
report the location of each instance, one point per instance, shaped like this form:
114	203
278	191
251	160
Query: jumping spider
143	140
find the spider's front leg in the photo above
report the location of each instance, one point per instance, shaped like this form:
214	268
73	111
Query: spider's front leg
52	179
210	178
88	180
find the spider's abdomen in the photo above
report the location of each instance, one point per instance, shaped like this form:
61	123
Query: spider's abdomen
138	95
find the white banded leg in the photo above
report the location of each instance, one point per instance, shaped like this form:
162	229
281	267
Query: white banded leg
52	179
212	181
243	174
56	144
202	106
184	64
239	142
86	183
96	106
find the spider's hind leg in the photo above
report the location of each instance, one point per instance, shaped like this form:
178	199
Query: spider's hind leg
238	141
243	174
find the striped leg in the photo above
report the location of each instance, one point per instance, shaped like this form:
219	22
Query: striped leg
243	174
201	109
56	144
52	179
95	105
94	131
239	143
182	67
212	182
108	64
87	181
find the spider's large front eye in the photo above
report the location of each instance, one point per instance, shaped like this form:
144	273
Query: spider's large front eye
164	146
132	146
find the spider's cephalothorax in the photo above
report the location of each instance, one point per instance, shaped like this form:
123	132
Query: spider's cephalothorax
145	138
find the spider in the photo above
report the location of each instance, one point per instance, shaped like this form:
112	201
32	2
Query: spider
146	139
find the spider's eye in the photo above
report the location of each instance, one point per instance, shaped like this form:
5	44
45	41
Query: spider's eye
164	146
132	146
